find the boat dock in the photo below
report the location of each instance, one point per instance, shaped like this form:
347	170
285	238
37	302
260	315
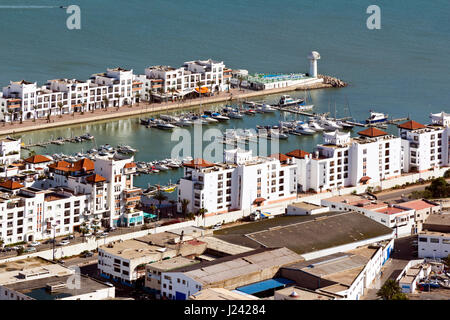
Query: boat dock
58	141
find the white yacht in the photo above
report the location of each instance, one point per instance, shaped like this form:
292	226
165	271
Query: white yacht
315	126
304	129
286	101
275	133
219	116
376	117
209	119
265	108
167	117
235	115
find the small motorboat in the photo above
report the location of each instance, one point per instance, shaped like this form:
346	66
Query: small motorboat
265	108
304	129
208	118
286	101
219	116
235	115
376	117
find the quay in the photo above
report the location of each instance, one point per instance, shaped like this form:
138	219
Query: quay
143	108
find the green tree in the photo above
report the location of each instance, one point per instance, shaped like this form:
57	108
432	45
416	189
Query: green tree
2	243
160	197
391	291
439	188
445	260
201	213
184	204
60	106
447	174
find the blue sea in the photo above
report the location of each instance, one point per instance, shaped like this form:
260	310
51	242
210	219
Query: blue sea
401	69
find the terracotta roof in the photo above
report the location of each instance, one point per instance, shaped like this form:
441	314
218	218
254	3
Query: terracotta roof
411	125
258	200
83	164
365	178
390	210
11	185
299	154
417	204
198	163
280	156
130	165
95	178
37	159
372	132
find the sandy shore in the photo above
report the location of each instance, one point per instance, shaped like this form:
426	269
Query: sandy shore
141	108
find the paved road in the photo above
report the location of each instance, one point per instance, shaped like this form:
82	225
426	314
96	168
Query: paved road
396	194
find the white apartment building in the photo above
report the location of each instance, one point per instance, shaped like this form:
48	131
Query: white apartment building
343	161
432	244
239	183
25	100
96	192
9	151
167	81
426	147
109	184
402	220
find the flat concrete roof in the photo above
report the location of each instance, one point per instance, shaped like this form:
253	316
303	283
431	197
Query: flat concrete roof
219	245
243	264
221	294
304	234
36	289
305	205
440	221
297	293
31	267
131	249
171	264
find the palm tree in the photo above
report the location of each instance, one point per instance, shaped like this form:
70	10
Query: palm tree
201	212
199	85
21	116
228	84
138	97
83	105
2	243
173	203
60	106
184	204
160	197
391	291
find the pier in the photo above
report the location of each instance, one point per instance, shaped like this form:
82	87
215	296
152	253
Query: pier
58	141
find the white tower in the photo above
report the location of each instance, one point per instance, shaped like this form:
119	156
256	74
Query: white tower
313	57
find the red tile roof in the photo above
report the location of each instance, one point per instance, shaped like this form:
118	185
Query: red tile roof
198	163
11	185
280	156
417	204
130	165
365	178
372	132
299	154
80	165
37	159
411	125
258	200
95	178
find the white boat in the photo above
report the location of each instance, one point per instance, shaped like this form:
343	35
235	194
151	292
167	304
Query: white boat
184	122
315	126
209	119
160	166
329	125
266	108
87	136
164	125
275	133
247	133
286	101
304	129
344	125
169	118
219	116
376	117
235	115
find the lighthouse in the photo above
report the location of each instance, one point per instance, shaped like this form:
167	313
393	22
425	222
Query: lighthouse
313	57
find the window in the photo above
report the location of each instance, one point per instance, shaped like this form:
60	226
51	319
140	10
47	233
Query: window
423	239
434	240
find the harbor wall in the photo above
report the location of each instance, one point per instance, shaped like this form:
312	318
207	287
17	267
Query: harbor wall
146	108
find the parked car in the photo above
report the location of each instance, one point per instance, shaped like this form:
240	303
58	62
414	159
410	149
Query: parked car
112	229
49	241
29	249
87	254
34	244
87	234
70	237
217	226
64	243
